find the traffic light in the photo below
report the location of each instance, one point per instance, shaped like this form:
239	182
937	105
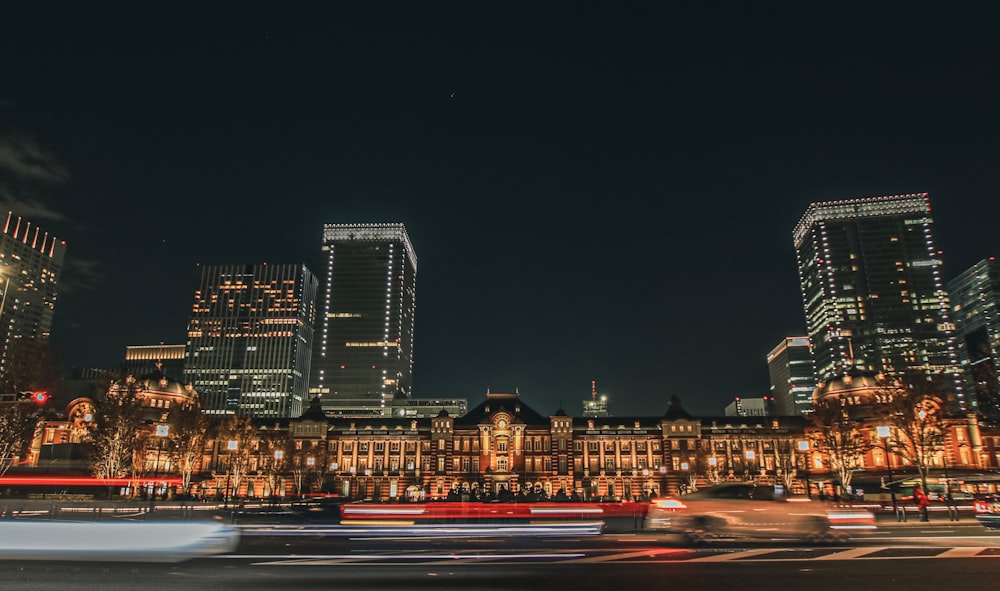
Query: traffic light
39	398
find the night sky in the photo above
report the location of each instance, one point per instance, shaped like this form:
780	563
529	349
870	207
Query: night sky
594	191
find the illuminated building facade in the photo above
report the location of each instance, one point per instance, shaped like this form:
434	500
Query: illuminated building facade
250	339
597	406
363	358
790	368
504	444
30	266
143	359
749	407
871	284
975	299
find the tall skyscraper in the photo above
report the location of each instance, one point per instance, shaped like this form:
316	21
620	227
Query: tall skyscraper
250	339
30	266
975	299
792	378
872	290
363	357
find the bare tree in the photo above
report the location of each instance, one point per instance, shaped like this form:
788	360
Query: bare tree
238	436
784	463
115	435
272	448
18	424
914	416
839	434
188	433
303	463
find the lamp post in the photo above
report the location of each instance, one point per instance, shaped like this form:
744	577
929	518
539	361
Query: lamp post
231	446
278	456
803	445
883	434
162	431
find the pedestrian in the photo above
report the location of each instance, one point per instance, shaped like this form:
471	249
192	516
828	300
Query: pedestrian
920	497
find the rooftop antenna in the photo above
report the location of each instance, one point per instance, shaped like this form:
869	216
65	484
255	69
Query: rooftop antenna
593	390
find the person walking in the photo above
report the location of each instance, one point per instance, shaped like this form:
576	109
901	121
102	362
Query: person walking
920	497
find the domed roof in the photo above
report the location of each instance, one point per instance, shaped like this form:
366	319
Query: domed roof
857	385
158	382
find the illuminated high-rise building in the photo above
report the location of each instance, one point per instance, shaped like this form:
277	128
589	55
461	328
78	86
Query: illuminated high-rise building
250	339
144	359
975	300
870	276
597	406
30	266
363	358
790	368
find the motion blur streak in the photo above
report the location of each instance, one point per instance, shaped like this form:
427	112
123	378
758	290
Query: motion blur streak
130	541
369	529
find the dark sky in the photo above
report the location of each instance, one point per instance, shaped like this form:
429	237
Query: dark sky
594	191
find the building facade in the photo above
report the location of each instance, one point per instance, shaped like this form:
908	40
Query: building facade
975	300
793	380
144	359
502	444
30	267
870	276
750	407
363	358
250	339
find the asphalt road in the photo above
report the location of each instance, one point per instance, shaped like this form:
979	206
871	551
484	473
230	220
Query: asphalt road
510	568
913	556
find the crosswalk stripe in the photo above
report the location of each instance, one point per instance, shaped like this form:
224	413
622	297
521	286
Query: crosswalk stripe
848	554
733	555
963	552
646	553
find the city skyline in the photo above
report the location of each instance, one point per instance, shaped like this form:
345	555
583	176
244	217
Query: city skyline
594	196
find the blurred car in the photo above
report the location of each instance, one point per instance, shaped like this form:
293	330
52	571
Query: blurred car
121	541
987	510
748	510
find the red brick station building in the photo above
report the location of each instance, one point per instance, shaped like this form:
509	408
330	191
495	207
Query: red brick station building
503	444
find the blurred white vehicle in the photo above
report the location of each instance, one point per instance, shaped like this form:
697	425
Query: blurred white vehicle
747	510
128	541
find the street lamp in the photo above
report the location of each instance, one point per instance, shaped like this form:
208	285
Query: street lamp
278	456
883	433
751	466
803	445
231	446
162	431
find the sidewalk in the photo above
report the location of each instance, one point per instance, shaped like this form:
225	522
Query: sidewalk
936	516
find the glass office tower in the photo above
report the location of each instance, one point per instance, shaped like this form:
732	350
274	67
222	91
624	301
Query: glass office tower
363	357
975	300
789	365
30	266
870	276
250	339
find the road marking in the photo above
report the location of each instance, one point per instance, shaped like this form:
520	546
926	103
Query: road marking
847	554
644	556
733	555
646	553
966	552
